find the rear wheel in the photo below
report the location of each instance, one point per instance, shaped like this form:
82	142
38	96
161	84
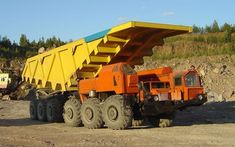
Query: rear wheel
91	114
163	123
41	110
71	113
33	109
54	110
115	114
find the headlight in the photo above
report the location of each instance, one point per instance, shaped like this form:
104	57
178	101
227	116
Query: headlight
200	97
156	98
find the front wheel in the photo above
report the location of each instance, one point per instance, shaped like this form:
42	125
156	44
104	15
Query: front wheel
115	114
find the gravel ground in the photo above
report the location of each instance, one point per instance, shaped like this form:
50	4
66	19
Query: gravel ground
212	124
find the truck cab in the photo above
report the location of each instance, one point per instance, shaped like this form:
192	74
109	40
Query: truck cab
117	78
187	87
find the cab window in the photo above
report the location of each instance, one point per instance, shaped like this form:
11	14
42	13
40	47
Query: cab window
192	80
158	85
178	81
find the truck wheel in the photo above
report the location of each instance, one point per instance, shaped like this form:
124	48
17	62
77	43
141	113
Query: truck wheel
54	110
91	114
137	122
167	119
71	113
115	114
163	123
41	110
33	109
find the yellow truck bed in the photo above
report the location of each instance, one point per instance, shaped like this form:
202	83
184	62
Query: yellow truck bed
60	68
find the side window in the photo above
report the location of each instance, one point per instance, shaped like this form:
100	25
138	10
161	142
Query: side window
167	85
147	87
157	85
178	81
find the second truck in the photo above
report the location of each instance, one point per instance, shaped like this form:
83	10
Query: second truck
91	81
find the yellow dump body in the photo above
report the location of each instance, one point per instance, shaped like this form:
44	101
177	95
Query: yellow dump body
60	68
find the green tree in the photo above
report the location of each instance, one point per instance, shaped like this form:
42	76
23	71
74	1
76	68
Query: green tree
215	27
24	42
228	36
6	42
208	29
226	27
41	42
196	29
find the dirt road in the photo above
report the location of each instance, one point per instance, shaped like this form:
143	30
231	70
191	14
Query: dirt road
210	125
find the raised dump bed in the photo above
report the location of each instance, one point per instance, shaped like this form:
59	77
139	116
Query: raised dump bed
60	68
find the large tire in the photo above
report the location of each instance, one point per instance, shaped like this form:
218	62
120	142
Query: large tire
115	114
33	109
167	120
162	121
54	110
41	110
91	113
71	113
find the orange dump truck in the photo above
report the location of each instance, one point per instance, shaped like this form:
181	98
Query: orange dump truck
90	81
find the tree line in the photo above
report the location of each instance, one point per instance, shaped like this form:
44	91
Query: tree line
214	28
26	48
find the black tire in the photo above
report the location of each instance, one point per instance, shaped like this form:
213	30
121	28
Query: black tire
71	113
115	114
41	110
54	110
163	123
33	109
167	120
91	113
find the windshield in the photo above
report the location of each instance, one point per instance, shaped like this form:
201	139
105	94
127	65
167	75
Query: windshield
128	70
192	80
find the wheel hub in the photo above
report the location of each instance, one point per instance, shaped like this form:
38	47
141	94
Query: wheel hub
69	113
112	113
89	114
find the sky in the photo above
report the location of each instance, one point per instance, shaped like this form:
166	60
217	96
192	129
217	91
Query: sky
74	19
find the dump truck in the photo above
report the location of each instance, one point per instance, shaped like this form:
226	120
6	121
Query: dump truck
91	81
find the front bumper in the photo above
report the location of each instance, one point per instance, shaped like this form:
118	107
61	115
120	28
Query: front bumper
199	100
